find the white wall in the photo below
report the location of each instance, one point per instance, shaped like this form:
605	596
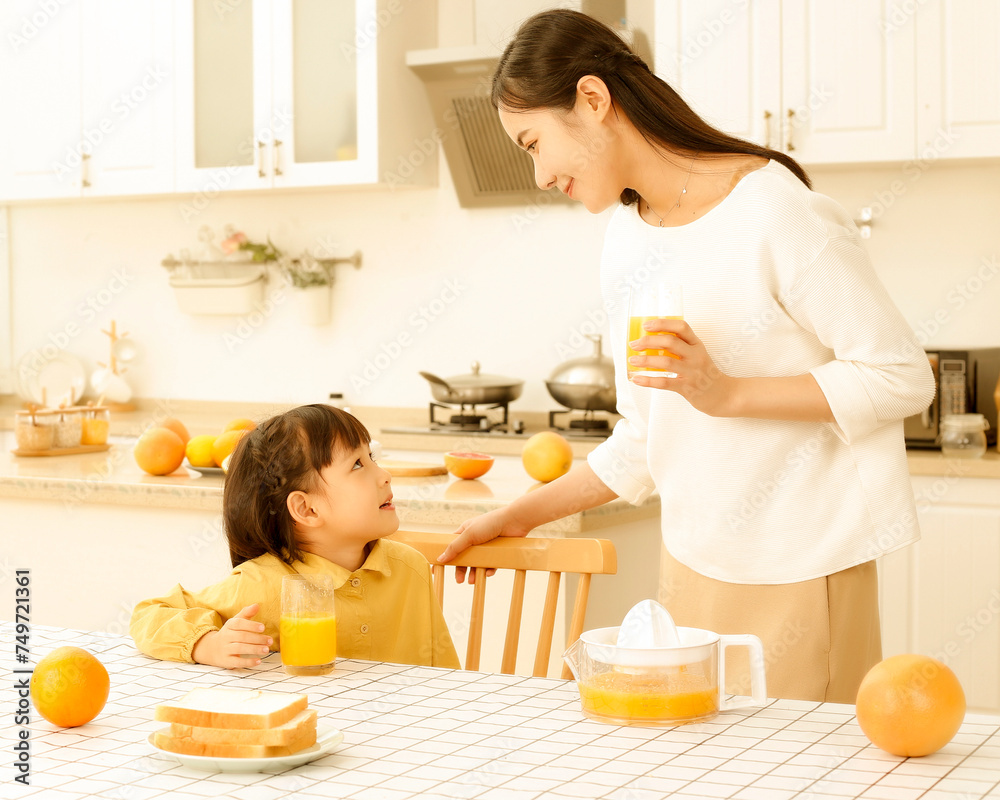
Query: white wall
525	279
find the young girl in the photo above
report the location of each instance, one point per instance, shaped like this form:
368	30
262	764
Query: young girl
304	495
777	445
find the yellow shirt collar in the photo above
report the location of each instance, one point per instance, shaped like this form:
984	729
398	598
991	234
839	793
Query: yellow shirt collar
377	561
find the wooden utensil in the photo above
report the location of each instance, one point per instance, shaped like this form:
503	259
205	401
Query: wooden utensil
411	469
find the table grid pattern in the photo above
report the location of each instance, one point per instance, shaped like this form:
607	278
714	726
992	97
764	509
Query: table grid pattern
429	733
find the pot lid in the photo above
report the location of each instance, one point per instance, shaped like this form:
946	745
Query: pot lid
476	380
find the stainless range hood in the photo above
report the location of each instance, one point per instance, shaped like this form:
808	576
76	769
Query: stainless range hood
488	169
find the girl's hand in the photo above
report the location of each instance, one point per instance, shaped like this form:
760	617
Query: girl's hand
479	530
238	638
699	380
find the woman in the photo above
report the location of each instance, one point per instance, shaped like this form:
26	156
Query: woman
777	449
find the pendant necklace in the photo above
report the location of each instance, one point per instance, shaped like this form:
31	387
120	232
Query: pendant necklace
678	203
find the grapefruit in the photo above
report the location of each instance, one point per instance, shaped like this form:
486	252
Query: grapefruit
199	450
69	687
467	465
910	705
159	451
225	443
546	456
178	427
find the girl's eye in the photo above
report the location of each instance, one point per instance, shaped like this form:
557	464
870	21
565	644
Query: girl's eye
358	465
373	456
530	148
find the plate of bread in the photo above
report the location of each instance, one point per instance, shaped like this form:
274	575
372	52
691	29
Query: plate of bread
242	730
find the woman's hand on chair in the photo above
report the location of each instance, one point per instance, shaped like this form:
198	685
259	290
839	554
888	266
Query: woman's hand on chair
480	530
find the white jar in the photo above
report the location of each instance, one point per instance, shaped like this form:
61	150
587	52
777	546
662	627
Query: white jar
963	435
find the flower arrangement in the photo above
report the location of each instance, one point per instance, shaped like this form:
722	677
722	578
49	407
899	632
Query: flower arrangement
305	272
260	253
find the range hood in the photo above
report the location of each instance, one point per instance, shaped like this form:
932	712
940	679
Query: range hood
488	169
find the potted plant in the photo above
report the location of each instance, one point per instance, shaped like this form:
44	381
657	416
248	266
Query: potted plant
310	280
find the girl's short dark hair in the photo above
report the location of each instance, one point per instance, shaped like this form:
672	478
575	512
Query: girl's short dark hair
281	455
551	51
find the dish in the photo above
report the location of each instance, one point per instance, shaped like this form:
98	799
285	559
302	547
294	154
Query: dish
327	738
63	377
205	470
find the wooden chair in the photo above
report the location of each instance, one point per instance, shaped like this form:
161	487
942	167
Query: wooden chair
585	557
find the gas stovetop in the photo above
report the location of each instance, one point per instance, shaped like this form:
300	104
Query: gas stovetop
493	422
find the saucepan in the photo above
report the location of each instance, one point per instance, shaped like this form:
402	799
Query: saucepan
474	388
586	383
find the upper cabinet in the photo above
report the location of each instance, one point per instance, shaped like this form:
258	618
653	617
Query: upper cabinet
88	96
958	75
283	93
825	82
852	81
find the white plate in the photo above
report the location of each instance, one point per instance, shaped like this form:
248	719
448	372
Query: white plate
327	738
62	377
206	471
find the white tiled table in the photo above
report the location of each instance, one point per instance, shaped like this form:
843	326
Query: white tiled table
417	732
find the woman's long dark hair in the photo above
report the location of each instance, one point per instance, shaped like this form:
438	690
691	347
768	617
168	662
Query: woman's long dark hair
281	455
554	49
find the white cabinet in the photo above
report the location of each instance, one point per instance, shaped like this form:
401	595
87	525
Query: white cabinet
941	596
290	93
958	74
825	82
88	95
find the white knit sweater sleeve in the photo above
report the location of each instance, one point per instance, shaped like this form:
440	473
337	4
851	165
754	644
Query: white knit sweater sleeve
880	373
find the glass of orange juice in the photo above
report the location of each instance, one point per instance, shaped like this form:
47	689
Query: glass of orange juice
663	300
307	632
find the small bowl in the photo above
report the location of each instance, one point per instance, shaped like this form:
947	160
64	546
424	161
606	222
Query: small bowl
468	465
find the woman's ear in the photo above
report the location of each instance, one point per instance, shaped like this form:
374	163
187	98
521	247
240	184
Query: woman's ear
594	96
300	507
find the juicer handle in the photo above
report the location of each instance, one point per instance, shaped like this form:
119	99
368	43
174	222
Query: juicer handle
758	682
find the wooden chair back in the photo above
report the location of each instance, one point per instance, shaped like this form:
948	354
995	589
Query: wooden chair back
585	557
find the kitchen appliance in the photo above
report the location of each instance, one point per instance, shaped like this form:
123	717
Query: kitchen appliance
965	380
586	383
474	388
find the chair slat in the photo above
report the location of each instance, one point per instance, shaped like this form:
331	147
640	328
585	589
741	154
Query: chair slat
438	571
476	623
509	661
544	649
579	612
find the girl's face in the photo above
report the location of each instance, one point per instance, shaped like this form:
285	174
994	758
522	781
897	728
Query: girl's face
353	498
573	151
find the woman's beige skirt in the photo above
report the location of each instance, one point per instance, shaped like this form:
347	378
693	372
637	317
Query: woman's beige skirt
820	636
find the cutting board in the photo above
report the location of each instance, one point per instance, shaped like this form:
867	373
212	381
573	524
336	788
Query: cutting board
411	469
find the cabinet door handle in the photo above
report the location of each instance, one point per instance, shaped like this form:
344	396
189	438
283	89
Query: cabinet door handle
85	170
260	158
790	117
767	128
277	159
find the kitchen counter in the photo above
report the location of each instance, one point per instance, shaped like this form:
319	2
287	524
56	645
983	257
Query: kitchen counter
113	477
412	732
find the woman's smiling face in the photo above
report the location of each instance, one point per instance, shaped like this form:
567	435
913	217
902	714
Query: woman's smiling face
572	151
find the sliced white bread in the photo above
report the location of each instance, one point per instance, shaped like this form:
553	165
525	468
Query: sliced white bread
182	744
243	709
291	731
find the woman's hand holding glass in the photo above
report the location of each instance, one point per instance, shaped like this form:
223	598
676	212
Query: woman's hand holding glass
685	365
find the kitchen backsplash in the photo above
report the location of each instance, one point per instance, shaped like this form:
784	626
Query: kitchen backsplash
440	286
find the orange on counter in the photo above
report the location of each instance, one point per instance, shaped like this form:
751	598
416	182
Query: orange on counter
199	450
546	456
69	687
225	443
468	465
159	451
240	424
910	705
178	427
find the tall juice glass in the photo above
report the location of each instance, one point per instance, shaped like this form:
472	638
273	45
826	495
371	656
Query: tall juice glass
308	628
659	301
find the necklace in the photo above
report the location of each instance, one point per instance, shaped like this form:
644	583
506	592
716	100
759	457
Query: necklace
675	205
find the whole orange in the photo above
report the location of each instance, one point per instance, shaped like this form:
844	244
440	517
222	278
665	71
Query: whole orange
159	451
69	687
178	427
225	443
910	705
240	424
546	456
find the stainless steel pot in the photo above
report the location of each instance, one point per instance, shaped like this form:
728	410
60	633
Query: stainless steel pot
474	388
586	383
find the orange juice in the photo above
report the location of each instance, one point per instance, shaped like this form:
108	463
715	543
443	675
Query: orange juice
635	331
664	697
309	642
